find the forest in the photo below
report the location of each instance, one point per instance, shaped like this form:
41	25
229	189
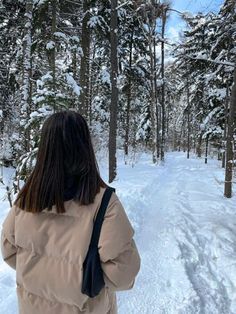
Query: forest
161	110
112	62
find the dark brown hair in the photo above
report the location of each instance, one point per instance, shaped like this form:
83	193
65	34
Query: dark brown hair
65	151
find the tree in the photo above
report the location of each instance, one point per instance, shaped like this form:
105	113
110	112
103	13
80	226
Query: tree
85	59
26	106
114	92
164	10
230	141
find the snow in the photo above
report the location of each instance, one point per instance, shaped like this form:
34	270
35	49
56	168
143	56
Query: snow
97	20
210	115
187	15
61	35
39	2
47	77
50	45
94	21
105	76
75	39
71	81
185	231
42	112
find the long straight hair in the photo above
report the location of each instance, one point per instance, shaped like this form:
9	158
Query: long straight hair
65	150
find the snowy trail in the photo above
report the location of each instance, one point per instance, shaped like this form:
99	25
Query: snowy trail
185	263
186	235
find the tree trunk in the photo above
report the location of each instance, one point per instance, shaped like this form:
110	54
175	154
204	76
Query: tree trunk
163	83
114	92
91	83
199	145
188	117
74	63
226	122
152	96
230	141
206	150
126	146
156	101
167	121
27	73
53	51
74	99
184	139
84	67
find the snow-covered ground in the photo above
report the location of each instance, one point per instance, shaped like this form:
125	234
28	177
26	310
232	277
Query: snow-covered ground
185	232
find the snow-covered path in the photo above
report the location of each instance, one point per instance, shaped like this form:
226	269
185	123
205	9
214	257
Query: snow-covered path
186	235
187	242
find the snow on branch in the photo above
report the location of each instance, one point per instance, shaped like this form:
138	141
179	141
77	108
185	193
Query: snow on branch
123	4
230	64
50	45
70	80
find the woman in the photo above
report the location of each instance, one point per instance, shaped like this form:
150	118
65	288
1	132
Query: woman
47	232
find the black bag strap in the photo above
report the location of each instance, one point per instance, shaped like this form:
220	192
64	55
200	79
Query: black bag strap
100	216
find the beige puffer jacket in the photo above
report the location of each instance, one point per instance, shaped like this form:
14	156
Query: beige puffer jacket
48	249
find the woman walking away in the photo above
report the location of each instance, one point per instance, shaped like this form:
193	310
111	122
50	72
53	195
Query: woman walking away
46	235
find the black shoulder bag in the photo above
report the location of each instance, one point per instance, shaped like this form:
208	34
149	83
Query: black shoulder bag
93	280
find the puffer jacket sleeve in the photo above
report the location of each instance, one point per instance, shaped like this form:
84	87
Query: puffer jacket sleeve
119	256
8	247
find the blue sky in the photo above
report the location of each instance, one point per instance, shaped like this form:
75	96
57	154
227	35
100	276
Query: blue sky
175	24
